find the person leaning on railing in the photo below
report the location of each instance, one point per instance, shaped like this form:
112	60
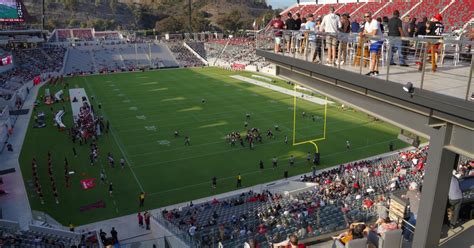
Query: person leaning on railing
372	28
277	24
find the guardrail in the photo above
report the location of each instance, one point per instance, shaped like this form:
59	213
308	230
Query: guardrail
441	64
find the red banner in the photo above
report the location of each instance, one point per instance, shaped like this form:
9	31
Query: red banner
236	66
88	183
6	60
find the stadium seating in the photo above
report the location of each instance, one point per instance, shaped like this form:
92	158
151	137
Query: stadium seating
185	57
402	7
37	236
428	8
372	7
271	217
83	34
107	35
324	10
349	8
63	34
198	47
103	58
79	61
460	12
455	16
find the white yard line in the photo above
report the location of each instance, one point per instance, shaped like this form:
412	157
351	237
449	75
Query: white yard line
124	154
300	95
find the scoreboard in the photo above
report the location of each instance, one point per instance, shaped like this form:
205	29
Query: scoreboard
11	11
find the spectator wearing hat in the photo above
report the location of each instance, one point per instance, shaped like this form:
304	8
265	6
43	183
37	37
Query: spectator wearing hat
435	30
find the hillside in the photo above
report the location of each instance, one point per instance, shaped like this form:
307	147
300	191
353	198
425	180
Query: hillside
163	15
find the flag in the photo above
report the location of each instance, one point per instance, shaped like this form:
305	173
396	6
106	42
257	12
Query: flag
37	80
88	183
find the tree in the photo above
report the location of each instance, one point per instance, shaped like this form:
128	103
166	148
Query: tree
200	22
113	6
71	4
231	21
73	23
169	24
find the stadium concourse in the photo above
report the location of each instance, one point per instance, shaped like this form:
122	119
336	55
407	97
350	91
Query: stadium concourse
350	203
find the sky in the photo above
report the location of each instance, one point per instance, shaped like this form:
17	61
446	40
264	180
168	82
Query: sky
285	3
281	3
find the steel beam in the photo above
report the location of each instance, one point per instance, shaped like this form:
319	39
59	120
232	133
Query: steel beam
434	195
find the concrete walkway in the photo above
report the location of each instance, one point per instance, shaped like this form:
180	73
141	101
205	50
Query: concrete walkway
15	205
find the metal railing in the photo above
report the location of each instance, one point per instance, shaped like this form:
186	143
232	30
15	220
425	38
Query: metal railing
440	64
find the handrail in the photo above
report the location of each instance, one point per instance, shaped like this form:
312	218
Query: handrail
353	50
420	38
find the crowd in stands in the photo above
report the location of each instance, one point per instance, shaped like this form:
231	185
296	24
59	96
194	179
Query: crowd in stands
356	192
83	34
341	196
29	63
184	57
198	47
32	239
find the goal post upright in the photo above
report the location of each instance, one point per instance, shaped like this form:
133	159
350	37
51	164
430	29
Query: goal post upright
312	141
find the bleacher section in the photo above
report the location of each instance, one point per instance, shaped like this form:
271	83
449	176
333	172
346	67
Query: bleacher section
44	237
272	217
428	8
184	57
460	12
103	58
83	34
79	61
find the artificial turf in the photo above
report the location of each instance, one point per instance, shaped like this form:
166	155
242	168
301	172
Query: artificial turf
144	110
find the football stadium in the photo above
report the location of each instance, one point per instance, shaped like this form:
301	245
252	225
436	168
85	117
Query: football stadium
236	123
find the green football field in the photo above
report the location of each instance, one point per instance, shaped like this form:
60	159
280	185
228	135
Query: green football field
144	110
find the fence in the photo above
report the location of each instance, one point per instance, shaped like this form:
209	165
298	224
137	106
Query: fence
442	64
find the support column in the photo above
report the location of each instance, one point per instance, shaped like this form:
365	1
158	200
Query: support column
435	190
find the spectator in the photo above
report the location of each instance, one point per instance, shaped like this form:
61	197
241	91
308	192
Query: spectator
372	28
114	234
355	27
435	29
455	199
345	30
421	27
395	31
277	24
290	24
331	24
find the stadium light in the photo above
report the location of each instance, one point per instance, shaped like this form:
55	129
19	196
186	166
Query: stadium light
408	88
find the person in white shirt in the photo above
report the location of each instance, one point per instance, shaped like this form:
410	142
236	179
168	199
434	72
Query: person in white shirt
455	199
331	24
372	27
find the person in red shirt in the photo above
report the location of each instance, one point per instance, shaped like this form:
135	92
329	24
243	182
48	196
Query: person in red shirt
368	203
293	243
277	24
140	219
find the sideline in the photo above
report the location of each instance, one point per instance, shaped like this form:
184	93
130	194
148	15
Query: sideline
303	96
